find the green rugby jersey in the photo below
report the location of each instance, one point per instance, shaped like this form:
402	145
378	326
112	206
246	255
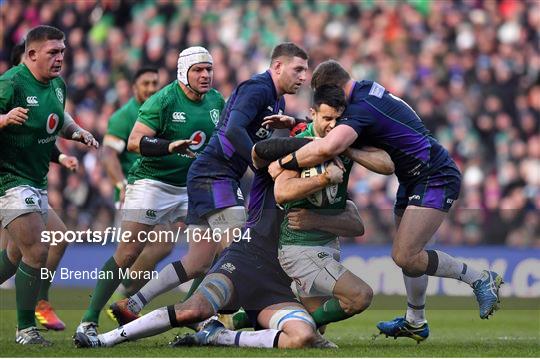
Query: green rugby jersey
315	237
120	125
26	149
174	116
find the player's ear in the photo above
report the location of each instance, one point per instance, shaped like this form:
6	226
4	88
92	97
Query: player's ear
32	54
278	66
312	112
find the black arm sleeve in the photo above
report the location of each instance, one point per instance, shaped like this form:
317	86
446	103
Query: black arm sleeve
275	148
237	134
55	154
154	147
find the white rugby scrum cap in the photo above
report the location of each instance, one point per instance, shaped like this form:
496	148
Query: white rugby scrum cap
189	57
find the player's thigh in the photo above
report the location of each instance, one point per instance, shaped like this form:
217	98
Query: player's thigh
202	249
55	224
26	230
13	252
227	223
4	238
314	269
416	228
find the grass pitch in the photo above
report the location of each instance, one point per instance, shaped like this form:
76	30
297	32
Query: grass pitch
456	331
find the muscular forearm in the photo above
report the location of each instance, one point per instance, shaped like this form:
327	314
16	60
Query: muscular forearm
373	159
294	188
346	224
69	127
333	144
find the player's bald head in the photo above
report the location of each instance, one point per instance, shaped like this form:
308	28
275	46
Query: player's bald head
42	33
288	50
329	73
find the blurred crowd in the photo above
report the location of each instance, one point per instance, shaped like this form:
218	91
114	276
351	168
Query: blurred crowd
470	68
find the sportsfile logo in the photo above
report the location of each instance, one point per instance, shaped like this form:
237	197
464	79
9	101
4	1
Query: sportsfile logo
32	101
229	267
179	117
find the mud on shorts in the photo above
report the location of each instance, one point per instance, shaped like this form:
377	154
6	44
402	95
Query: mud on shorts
314	269
21	200
153	202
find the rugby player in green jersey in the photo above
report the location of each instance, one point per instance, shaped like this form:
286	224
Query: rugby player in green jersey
309	248
172	125
32	101
10	253
117	161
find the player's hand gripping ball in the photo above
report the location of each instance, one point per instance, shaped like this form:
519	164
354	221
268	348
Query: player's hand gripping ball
328	194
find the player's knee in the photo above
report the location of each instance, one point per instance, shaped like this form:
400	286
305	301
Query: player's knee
301	338
195	309
401	259
362	299
358	299
126	258
193	315
201	268
38	254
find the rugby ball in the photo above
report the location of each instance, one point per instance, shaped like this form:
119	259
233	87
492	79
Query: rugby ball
325	196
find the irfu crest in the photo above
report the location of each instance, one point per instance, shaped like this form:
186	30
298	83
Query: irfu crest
214	116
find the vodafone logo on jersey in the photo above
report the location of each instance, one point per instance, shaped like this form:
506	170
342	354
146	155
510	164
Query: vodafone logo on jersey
199	137
52	123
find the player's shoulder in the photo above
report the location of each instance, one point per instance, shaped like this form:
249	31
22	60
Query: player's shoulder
166	91
214	95
13	74
365	88
259	84
161	98
58	82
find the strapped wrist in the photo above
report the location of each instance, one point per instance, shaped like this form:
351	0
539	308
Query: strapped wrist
289	162
154	147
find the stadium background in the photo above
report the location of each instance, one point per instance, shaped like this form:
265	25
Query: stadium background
471	69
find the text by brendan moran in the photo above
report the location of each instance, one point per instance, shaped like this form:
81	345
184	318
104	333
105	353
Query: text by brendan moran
67	274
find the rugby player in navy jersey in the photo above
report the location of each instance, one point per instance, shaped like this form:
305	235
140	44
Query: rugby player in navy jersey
216	204
429	184
247	275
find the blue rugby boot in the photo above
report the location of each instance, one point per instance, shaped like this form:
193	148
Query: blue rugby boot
400	327
486	291
206	336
